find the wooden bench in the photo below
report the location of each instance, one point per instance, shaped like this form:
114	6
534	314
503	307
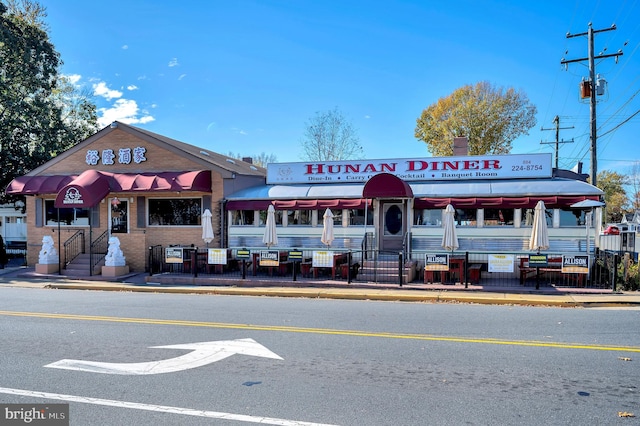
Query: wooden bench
430	276
475	273
554	266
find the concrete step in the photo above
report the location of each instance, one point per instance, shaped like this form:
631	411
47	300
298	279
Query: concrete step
81	265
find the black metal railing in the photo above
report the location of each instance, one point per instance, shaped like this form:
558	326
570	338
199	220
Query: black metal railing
74	246
98	250
155	259
607	270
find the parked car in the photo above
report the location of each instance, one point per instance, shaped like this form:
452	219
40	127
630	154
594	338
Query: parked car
612	230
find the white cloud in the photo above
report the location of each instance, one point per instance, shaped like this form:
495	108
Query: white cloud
182	76
125	47
367	117
132	87
101	89
173	62
125	111
239	131
73	78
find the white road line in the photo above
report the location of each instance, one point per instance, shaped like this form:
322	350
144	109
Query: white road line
160	408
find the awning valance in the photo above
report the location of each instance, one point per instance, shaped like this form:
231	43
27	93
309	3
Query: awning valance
556	201
344	203
34	185
84	191
90	187
386	185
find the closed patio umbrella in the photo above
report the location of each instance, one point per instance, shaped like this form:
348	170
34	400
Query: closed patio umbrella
207	227
539	234
327	230
449	235
270	237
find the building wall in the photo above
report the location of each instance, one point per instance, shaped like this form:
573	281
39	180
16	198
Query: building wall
135	244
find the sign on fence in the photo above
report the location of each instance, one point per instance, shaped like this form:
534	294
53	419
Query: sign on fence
575	264
500	263
216	256
173	255
322	259
436	262
269	258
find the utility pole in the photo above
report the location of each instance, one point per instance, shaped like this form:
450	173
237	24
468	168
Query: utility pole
592	89
556	121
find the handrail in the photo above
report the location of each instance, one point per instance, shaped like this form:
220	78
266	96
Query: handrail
364	246
74	246
98	250
406	246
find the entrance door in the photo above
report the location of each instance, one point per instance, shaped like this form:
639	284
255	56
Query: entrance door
393	225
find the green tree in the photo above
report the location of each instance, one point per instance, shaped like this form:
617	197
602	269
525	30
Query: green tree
490	117
617	202
330	136
36	117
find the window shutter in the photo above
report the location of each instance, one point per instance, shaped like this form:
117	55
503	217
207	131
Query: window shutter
140	212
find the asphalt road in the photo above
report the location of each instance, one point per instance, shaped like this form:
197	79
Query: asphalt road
335	362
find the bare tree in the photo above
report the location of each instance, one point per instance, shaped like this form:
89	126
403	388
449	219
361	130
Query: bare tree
330	136
634	183
260	160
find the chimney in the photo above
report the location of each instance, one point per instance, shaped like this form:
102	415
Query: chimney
461	146
247	160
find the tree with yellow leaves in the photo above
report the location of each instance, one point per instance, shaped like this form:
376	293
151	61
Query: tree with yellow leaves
490	117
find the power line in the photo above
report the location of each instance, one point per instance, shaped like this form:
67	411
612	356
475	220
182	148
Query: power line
557	128
591	86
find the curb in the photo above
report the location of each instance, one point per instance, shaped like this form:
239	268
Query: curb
383	295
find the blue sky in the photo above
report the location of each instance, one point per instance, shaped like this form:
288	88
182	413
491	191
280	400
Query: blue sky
246	76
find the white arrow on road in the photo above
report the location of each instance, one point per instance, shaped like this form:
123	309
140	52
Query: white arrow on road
202	353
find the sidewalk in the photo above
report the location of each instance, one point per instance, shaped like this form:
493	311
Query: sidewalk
26	277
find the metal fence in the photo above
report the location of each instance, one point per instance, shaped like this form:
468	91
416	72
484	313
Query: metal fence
607	270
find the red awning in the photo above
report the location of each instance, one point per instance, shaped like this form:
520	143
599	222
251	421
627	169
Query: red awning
555	201
33	185
197	181
386	185
84	191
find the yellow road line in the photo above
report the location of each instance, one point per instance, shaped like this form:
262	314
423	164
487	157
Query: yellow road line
324	331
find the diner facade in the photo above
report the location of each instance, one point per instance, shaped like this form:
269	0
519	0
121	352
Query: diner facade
152	191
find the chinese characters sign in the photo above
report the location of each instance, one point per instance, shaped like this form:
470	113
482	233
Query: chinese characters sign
108	156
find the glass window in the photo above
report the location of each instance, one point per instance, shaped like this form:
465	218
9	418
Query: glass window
175	211
242	217
263	217
72	216
466	217
428	217
572	217
356	216
298	217
337	216
528	214
498	217
119	216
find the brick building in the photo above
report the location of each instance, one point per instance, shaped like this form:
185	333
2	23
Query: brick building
124	181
